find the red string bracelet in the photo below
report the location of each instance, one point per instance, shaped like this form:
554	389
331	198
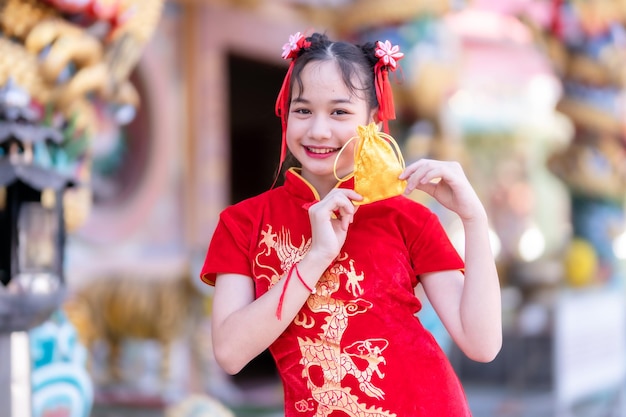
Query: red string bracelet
311	290
279	309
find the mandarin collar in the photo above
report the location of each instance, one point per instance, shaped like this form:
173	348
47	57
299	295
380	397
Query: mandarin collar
302	190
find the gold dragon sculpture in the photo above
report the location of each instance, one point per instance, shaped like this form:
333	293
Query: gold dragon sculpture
73	58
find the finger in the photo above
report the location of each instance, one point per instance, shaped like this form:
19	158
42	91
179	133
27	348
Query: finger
345	208
335	206
415	179
431	172
346	217
428	188
346	221
408	171
352	195
416	167
344	198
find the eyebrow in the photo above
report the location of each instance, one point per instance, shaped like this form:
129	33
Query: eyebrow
336	101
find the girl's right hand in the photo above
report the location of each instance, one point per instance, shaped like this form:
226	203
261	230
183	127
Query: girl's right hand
330	219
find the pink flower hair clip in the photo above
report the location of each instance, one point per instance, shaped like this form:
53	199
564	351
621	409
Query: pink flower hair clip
296	42
388	55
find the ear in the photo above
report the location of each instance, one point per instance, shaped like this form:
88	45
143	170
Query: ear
374	118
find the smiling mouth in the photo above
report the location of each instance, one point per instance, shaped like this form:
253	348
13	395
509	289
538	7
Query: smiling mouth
321	151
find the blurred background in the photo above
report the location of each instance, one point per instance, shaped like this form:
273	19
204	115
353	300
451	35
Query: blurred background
126	126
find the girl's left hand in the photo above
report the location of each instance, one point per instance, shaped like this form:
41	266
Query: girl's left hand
446	182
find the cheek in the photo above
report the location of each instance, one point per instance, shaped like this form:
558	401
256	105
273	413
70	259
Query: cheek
346	159
293	129
349	137
296	122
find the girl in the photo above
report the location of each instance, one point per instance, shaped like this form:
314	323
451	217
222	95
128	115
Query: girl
331	289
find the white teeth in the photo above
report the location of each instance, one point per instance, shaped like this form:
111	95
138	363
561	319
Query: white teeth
320	151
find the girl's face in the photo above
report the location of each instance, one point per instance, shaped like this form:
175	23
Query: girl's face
322	118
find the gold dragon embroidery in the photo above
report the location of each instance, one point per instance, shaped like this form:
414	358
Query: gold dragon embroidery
325	363
324	354
287	252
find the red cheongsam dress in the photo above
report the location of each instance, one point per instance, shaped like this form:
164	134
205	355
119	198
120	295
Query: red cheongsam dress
356	348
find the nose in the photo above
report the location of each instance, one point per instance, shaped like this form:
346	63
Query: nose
320	128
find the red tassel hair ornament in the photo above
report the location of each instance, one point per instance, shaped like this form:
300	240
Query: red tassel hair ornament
388	57
296	43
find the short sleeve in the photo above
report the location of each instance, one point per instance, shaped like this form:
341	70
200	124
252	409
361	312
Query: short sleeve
228	249
431	249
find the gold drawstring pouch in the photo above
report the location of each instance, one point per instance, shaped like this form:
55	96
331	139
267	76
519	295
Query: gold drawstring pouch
378	163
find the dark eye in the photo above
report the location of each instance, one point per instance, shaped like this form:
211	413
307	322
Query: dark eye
339	112
301	111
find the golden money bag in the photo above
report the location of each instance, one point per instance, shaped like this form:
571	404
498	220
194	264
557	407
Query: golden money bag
378	163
